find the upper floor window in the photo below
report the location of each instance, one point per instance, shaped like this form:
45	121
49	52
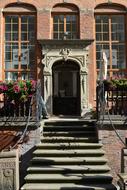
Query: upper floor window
19	46
65	22
110	38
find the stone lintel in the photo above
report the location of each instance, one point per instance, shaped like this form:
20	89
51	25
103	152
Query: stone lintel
75	42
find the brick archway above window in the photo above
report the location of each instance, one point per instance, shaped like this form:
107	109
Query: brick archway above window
65	21
65	8
110	8
19	8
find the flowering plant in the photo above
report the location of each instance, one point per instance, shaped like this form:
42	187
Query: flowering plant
18	90
116	83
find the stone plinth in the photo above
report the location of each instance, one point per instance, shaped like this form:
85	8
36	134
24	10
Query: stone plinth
9	170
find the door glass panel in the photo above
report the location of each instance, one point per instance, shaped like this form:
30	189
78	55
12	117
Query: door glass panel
65	84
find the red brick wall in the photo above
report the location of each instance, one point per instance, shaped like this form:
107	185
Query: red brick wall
113	146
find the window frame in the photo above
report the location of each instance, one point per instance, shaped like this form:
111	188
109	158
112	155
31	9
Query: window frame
20	70
111	42
65	14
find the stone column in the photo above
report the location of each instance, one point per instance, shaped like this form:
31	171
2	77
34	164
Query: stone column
48	91
84	92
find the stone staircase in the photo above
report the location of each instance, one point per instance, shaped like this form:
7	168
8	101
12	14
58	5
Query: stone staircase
69	157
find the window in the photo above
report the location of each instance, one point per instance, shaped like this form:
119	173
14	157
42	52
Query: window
19	46
65	27
110	38
65	22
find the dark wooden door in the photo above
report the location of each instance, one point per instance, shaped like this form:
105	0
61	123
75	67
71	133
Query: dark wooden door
66	89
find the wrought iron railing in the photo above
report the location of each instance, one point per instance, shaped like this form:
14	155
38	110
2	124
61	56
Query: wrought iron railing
112	101
16	110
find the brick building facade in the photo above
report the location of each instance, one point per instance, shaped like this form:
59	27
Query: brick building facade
37	37
60	43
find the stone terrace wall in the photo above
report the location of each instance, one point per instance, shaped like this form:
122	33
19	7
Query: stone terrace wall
24	148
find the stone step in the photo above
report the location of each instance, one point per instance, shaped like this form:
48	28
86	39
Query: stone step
69	169
66	186
68	139
69	145
69	134
69	160
66	153
113	117
69	178
69	128
69	122
69	157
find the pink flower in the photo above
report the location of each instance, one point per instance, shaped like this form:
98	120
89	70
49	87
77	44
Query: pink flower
3	88
33	84
25	88
30	95
16	88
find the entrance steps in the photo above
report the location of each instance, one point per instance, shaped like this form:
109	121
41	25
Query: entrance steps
69	157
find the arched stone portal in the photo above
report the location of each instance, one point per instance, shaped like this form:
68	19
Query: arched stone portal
66	88
71	58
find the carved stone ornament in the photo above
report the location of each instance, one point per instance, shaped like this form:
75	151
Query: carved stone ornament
44	53
65	53
8	179
8	172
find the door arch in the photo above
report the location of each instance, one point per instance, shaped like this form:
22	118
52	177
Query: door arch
66	88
